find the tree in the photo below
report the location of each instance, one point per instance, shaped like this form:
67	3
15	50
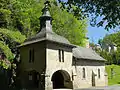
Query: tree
25	18
21	18
8	44
68	26
103	53
108	10
4	13
112	40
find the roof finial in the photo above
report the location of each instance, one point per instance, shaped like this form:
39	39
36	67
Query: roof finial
46	8
46	19
47	3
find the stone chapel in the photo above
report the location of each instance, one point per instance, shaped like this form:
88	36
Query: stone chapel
49	61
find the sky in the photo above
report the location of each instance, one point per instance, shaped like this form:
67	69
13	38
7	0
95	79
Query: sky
95	33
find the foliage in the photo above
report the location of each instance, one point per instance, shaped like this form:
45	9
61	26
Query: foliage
4	13
107	56
112	40
13	35
26	15
6	50
8	42
116	74
108	10
67	25
5	64
103	53
25	18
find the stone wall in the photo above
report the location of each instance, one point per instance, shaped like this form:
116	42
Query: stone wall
53	64
46	63
90	67
39	64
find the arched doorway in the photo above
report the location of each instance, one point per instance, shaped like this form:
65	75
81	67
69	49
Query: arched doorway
61	79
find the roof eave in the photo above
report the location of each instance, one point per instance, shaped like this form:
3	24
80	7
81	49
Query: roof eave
35	41
90	59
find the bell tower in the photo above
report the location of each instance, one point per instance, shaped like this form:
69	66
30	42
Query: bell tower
46	19
46	58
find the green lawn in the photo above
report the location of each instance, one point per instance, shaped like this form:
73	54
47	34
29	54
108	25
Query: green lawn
116	75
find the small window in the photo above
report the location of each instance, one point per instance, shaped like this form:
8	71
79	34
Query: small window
61	55
83	72
98	73
33	78
30	77
31	55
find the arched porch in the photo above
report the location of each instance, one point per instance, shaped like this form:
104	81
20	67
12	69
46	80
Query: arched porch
61	80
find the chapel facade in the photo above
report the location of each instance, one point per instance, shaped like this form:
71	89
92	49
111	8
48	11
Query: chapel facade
49	61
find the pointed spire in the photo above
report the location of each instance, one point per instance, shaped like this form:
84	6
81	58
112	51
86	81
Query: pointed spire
46	19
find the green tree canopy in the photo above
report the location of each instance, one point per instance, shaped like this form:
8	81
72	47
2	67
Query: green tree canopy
25	17
8	43
113	40
67	25
109	10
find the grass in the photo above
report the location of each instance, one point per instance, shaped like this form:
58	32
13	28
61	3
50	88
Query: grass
116	74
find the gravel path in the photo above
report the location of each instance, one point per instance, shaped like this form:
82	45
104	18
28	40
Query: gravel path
115	87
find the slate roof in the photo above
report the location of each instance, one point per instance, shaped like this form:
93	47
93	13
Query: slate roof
86	54
46	35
